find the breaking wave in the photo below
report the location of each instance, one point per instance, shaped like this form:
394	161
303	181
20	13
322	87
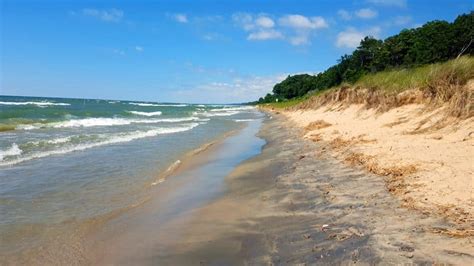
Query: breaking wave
35	103
95	122
15	150
145	113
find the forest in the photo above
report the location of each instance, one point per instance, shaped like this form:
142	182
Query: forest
435	41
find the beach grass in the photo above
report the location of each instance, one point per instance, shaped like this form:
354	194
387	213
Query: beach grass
286	103
458	71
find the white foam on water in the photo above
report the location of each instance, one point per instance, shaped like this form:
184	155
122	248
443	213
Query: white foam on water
14	150
41	104
144	104
112	139
95	122
222	113
244	120
145	113
172	105
225	111
239	108
53	141
159	105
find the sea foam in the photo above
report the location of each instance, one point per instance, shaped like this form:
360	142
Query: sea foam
34	103
103	121
145	113
111	139
14	150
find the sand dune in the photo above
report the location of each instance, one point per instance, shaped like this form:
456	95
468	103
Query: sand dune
427	157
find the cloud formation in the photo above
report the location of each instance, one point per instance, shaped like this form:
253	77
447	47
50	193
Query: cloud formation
106	15
181	18
139	49
363	13
263	35
264	22
351	37
236	90
302	22
294	28
366	13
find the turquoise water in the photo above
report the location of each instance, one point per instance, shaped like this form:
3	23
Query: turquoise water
74	159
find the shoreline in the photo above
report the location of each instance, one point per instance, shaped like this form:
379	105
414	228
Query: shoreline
196	181
287	201
66	241
288	205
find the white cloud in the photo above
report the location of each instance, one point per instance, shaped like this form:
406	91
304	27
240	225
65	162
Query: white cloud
351	37
181	18
244	20
264	22
366	13
107	15
295	29
344	14
302	22
233	91
262	35
260	27
138	48
397	3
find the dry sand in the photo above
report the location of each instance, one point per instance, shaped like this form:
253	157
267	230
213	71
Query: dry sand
427	158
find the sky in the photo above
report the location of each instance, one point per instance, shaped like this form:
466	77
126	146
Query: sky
188	51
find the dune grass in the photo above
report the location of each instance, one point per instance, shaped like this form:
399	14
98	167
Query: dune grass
457	71
285	104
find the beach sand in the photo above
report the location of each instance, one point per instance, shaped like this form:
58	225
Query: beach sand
291	205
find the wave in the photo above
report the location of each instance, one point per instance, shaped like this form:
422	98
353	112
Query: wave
211	114
144	104
240	108
244	120
34	103
158	105
53	141
145	113
95	122
224	111
112	139
172	105
14	150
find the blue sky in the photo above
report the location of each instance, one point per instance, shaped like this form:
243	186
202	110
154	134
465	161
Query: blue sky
188	51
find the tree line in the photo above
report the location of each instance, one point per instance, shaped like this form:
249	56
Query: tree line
435	41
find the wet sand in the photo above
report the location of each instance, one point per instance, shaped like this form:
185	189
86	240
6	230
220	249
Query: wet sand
290	205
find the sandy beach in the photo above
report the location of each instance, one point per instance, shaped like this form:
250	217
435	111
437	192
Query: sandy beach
294	204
